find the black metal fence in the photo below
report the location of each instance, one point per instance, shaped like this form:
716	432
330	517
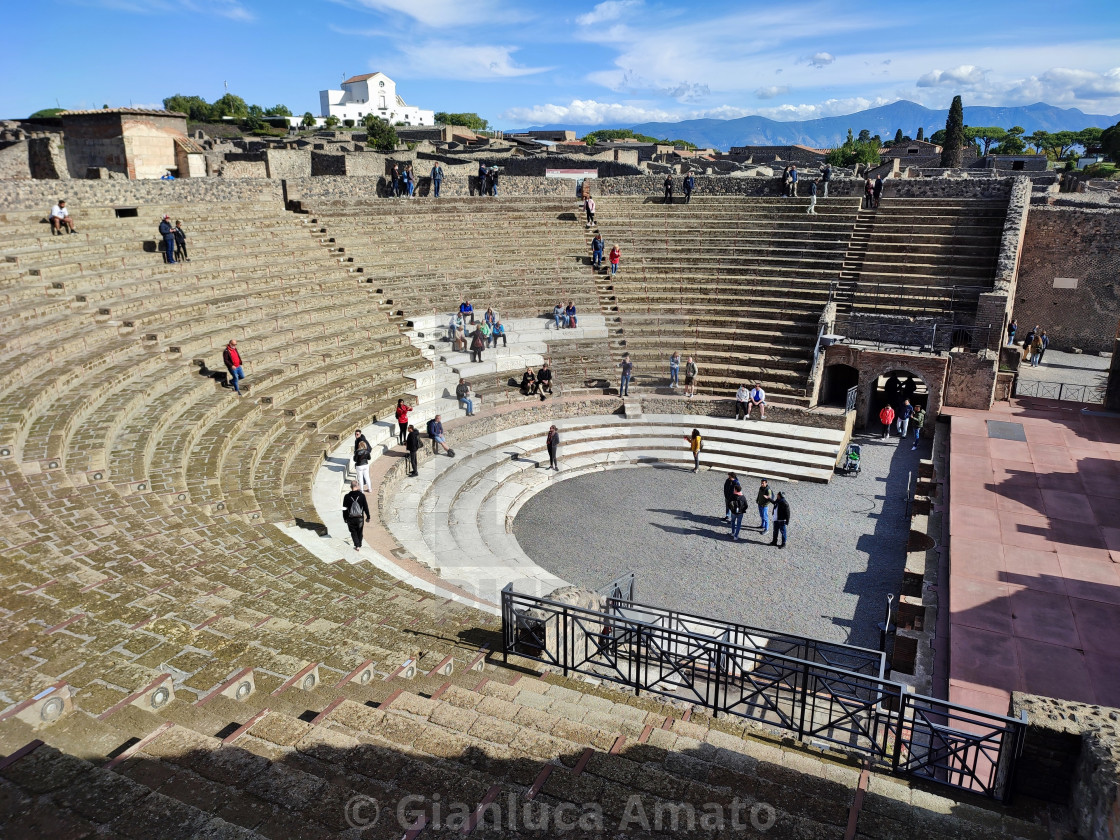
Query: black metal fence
852	398
921	337
1062	391
822	692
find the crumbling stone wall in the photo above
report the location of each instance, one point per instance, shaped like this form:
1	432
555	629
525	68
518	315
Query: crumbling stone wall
243	166
971	381
40	195
46	157
1069	276
15	161
288	163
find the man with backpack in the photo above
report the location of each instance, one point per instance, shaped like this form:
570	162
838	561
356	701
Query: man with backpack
412	447
478	341
362	454
737	506
781	519
730	485
689	183
355	509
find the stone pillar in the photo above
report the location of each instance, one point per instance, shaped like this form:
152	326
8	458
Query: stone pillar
991	308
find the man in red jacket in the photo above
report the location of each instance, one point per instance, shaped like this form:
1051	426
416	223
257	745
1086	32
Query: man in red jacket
232	360
886	417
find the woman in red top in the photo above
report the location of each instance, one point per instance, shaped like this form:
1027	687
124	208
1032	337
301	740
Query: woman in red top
402	419
616	255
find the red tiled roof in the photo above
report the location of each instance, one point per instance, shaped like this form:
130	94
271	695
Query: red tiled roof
360	78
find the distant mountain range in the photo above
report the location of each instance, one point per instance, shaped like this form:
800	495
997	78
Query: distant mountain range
828	132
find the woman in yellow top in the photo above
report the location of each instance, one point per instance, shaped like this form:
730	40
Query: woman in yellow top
695	443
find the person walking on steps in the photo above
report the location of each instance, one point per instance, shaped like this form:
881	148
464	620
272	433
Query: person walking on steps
401	412
362	455
886	417
781	519
627	371
793	176
736	506
668	189
589	209
826	176
687	185
869	193
764	499
412	447
168	233
477	343
615	258
355	509
730	485
597	252
437	179
919	420
812	211
552	443
903	419
675	370
695	444
180	242
877	190
690	374
232	360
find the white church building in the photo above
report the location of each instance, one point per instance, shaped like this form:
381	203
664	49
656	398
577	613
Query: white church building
371	93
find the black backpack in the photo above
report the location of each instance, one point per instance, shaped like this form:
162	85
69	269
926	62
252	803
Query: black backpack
429	427
356	511
737	505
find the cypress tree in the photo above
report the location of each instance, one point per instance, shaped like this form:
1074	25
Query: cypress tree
921	133
954	135
898	136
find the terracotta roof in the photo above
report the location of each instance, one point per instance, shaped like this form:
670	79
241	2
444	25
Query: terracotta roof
360	78
189	146
147	112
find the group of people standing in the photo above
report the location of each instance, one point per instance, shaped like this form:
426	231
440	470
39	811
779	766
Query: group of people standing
688	184
597	248
174	240
488	180
1035	342
735	506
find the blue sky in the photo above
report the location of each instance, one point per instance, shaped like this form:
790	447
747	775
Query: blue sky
518	63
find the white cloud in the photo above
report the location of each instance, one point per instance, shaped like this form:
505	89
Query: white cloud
607	11
771	91
687	92
436	13
966	75
1068	84
827	108
588	112
231	9
448	60
821	59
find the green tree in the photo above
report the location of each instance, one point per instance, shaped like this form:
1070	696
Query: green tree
855	151
1012	143
196	108
1110	142
1039	140
46	113
382	136
938	137
921	133
308	120
952	150
898	137
608	134
468	119
985	136
1060	143
331	121
1089	138
278	111
864	136
230	105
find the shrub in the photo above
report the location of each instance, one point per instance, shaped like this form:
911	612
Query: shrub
348	123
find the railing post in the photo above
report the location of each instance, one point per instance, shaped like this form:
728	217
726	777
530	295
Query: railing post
804	699
720	670
564	639
903	705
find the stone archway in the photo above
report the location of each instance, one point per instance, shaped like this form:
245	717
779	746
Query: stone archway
874	365
838	379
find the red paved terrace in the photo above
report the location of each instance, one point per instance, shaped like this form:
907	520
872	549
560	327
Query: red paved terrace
1034	554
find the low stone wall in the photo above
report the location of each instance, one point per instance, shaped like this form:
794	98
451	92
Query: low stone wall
40	195
247	166
15	161
288	163
1067	281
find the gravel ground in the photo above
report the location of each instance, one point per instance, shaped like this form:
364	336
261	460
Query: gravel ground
845	552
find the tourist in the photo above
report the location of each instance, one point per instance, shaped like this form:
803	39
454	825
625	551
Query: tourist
615	257
695	444
395	183
167	176
463	395
544	381
730	485
1036	350
903	419
1011	329
570	320
492	181
412	447
812	211
736	506
919	419
674	369
826	177
690	374
405	183
490	317
362	455
168	234
627	371
477	343
528	382
558	315
499	331
597	251
793	176
180	242
60	218
459	341
688	184
668	189
233	364
764	498
757	397
1028	341
435	432
1045	343
481	178
402	411
410	180
886	417
742	409
781	519
437	179
552	443
484	328
355	509
786	181
877	190
589	210
467	311
869	193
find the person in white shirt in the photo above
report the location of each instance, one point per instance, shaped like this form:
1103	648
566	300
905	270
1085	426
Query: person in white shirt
742	409
757	397
60	218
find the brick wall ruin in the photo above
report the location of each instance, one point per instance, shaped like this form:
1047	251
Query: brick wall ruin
40	195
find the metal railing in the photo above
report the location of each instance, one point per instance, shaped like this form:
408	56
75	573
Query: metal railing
1061	391
822	692
851	399
920	337
926	299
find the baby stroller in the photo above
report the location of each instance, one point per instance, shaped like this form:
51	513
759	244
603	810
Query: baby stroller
851	460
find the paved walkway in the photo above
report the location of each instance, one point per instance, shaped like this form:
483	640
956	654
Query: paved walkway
1068	368
1034	554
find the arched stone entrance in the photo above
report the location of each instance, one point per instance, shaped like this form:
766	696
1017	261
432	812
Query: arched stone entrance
875	369
838	379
